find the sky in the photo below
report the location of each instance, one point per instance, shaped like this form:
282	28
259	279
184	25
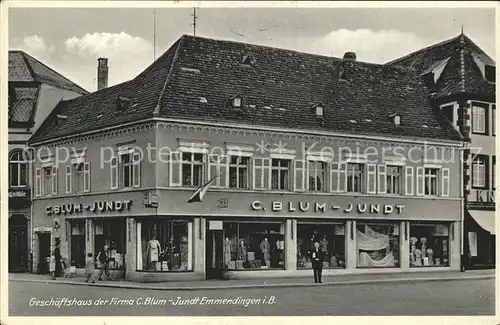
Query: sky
70	40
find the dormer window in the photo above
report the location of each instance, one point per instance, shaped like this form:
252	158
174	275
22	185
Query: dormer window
396	118
236	101
123	103
247	60
319	111
489	73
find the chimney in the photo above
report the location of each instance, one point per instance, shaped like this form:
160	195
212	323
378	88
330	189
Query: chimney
102	73
350	56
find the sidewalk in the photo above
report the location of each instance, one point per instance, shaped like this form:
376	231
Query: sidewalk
345	279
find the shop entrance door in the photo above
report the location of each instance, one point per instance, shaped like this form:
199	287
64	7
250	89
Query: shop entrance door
43	252
213	264
18	243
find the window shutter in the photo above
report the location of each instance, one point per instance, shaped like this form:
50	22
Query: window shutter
299	179
136	169
334	177
38	182
86	177
382	179
371	179
113	169
175	168
342	180
257	173
54	180
445	182
224	171
68	180
409	180
420	180
267	173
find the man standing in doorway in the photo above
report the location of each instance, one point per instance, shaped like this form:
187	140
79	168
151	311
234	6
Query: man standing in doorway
317	258
104	258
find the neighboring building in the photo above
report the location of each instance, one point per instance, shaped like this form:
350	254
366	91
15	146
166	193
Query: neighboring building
305	146
461	78
34	91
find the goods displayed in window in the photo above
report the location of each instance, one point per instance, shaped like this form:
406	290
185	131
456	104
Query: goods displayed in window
429	245
253	245
331	239
111	233
377	245
164	245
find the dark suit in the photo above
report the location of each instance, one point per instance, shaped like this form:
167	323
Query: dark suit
317	258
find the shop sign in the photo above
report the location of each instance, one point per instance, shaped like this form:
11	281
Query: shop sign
98	206
19	193
223	203
150	199
485	196
302	206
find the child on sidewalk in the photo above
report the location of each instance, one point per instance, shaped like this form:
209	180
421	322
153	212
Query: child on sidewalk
90	269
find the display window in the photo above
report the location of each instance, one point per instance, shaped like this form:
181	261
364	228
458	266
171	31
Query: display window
377	245
111	233
331	239
165	245
429	245
253	246
78	242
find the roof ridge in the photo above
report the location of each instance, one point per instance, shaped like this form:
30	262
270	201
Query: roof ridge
292	51
169	74
423	49
26	54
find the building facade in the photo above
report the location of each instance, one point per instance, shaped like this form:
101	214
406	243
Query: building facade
461	79
305	148
34	91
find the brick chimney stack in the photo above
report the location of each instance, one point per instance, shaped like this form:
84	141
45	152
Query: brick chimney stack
102	73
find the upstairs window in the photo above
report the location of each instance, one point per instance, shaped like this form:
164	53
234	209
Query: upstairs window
431	181
238	172
236	101
355	173
280	174
17	170
192	169
479	118
316	173
479	168
393	176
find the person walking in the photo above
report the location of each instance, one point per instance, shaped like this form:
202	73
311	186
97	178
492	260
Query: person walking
317	258
90	269
52	266
104	258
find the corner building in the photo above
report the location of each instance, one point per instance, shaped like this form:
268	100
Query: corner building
307	148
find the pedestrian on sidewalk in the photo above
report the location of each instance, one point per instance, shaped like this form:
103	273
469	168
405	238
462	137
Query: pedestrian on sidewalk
104	258
90	269
317	258
52	266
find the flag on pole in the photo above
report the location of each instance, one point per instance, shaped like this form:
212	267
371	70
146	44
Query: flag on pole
200	192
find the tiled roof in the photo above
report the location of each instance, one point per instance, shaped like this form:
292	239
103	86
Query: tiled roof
196	77
23	105
24	67
458	76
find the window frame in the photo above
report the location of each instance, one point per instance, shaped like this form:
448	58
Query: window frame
19	162
280	169
485	160
316	170
237	166
191	164
400	182
485	108
430	177
362	175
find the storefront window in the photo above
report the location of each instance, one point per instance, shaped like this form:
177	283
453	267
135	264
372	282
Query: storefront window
253	245
111	233
331	238
377	245
165	245
429	245
78	243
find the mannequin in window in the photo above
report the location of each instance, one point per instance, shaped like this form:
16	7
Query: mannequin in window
314	238
153	253
324	247
418	257
242	251
226	252
413	247
423	243
280	248
265	249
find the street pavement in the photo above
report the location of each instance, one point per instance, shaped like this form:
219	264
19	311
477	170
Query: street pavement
455	298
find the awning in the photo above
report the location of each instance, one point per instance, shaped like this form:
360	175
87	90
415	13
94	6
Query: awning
486	219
